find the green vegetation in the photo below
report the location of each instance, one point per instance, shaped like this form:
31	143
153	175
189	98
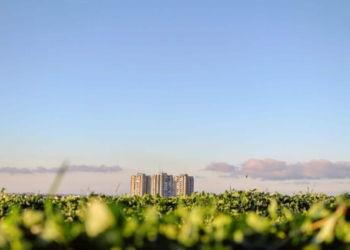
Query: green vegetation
232	220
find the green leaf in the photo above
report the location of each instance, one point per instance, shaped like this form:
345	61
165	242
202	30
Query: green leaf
98	219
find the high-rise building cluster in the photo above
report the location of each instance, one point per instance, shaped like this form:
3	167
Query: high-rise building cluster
163	184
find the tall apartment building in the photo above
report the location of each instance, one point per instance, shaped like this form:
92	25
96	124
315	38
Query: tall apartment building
184	184
140	184
163	185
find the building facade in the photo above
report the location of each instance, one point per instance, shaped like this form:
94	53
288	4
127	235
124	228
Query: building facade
162	184
184	184
140	185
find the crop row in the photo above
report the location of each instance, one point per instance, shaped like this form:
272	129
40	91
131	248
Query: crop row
233	203
232	220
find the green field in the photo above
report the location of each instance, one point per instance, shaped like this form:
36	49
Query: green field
232	220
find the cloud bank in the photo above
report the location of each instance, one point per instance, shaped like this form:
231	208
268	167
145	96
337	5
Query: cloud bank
221	167
72	168
270	169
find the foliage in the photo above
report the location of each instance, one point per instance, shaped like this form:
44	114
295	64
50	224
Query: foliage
234	219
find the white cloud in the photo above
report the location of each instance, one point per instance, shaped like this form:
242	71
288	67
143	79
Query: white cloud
72	168
270	169
220	167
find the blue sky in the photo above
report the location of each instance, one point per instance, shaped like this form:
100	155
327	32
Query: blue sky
173	85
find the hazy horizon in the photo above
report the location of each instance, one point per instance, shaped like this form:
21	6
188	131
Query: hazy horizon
112	180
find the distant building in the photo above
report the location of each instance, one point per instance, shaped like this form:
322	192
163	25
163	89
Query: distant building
184	184
163	185
140	185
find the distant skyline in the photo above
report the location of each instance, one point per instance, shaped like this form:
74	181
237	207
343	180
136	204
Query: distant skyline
218	90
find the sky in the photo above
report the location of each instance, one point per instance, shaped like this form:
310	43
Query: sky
219	91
